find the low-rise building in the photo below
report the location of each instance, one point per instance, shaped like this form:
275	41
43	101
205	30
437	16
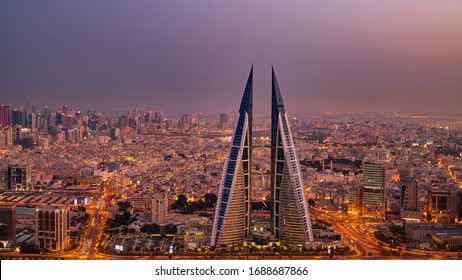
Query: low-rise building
423	232
448	239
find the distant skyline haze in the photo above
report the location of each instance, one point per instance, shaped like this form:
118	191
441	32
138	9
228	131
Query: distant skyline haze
193	56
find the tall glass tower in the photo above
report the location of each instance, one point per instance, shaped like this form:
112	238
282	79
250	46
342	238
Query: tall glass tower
231	224
290	219
374	190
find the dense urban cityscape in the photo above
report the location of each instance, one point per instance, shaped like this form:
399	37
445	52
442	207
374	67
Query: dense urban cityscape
340	185
230	139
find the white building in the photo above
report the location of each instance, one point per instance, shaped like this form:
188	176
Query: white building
52	228
159	208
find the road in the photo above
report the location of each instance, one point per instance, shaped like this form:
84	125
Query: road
98	215
356	234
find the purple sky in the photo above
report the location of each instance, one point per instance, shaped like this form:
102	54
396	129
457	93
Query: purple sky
191	56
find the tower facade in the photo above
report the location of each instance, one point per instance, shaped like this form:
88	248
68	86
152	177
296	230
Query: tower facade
443	204
223	122
5	115
159	208
52	228
7	225
231	223
355	200
410	195
18	177
290	219
374	190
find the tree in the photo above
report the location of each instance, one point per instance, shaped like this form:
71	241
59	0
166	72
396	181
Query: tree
122	219
207	197
182	201
311	202
213	198
171	229
150	228
191	208
209	200
28	248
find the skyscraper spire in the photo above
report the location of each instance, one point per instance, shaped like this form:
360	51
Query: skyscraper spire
290	219
231	223
247	102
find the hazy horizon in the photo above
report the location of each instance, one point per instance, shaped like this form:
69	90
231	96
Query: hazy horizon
193	56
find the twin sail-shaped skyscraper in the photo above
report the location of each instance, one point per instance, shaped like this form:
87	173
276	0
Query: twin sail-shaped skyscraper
290	219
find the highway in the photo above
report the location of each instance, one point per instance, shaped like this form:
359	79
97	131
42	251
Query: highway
360	238
98	216
355	234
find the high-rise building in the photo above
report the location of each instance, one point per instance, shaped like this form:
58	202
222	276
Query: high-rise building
8	136
409	199
195	121
123	122
17	133
5	115
2	140
409	194
18	177
159	208
355	200
158	117
231	223
184	122
3	178
7	225
189	121
32	121
18	117
290	219
115	133
52	228
406	173
132	113
46	112
133	122
223	121
59	118
148	116
374	190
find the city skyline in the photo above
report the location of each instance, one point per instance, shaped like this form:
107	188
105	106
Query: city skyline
110	172
120	136
394	56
